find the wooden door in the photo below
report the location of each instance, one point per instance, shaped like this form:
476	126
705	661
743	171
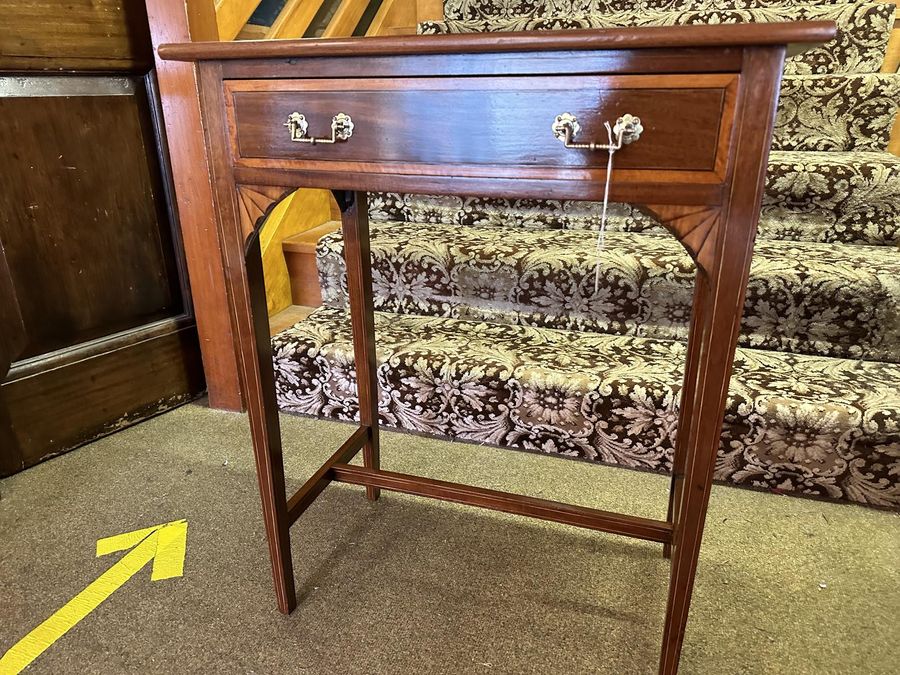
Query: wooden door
87	230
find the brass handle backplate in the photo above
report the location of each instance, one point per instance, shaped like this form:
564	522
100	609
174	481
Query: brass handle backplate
341	129
627	129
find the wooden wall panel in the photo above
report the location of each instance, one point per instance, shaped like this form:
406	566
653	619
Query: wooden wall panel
74	34
55	410
87	230
12	334
12	340
82	213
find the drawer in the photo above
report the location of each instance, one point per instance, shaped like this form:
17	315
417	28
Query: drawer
474	126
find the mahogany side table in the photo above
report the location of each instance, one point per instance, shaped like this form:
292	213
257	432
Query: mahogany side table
375	114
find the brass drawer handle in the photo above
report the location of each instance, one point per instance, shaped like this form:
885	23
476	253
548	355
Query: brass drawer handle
627	129
341	129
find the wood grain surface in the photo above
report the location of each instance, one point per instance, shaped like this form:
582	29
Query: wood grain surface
464	111
74	34
200	233
653	37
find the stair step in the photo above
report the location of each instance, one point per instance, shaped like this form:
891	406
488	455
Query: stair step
839	197
305	242
300	258
804	424
857	192
457	10
860	45
837	113
287	317
803	298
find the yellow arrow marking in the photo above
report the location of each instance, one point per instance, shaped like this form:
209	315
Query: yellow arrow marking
163	544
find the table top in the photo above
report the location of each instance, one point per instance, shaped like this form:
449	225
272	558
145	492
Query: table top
798	35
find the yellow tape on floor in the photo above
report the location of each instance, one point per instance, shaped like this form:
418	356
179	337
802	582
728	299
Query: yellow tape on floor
163	544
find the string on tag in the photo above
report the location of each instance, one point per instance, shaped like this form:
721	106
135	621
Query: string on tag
601	235
627	130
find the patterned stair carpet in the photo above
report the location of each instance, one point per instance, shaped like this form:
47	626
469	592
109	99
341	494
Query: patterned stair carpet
490	329
814	425
863	28
803	297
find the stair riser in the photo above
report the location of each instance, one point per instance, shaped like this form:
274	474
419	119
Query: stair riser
855	197
836	113
827	304
305	286
508	9
848	198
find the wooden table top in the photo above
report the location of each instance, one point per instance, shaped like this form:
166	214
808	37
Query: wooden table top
799	34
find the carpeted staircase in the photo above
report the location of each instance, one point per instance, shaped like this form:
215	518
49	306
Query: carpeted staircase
490	330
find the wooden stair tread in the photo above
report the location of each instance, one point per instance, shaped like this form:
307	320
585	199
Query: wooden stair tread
288	317
305	242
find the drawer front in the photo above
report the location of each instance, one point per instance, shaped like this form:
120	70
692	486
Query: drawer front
470	126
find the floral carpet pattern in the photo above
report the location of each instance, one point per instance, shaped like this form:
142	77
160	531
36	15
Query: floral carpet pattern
836	113
863	29
856	193
808	298
813	425
490	328
511	9
828	197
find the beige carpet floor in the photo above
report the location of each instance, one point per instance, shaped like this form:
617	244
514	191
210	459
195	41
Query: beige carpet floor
407	585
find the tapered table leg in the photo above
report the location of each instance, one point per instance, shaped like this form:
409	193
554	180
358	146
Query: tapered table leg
355	229
259	395
688	392
242	259
696	447
718	306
